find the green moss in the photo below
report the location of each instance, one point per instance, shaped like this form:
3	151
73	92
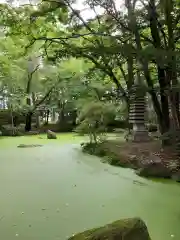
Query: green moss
100	150
94	149
114	160
127	229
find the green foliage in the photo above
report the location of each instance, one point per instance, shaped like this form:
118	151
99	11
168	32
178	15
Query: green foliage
83	59
9	130
93	149
94	118
100	150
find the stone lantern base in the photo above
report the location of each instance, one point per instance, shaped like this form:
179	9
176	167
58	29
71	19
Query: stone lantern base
140	133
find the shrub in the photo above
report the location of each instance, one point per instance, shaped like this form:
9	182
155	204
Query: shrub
9	130
152	127
93	120
93	149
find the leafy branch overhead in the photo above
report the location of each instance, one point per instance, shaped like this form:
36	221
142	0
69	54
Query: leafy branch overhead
124	41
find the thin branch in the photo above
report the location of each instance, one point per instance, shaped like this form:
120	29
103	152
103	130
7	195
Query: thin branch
30	75
35	69
29	45
177	37
43	99
76	13
162	31
109	72
123	73
177	21
74	36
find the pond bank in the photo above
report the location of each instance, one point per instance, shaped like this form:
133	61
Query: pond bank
148	159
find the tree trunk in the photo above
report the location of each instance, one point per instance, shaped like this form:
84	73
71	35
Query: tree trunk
165	121
164	101
47	117
171	70
12	123
37	120
129	79
171	73
53	115
28	121
61	116
61	106
144	63
74	117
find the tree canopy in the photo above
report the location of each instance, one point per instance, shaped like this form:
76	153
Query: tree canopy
119	45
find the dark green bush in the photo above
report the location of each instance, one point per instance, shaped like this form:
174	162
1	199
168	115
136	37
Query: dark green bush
152	127
98	149
93	149
8	130
93	119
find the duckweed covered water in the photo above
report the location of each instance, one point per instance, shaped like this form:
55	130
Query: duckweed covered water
54	191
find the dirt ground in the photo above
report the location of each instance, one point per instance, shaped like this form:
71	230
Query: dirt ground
127	150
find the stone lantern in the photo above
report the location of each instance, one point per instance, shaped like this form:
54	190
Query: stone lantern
137	114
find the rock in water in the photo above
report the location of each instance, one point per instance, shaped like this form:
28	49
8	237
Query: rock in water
51	135
126	229
176	176
154	169
29	145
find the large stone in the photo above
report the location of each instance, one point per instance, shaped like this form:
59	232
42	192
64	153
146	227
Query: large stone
176	176
127	229
51	135
152	166
29	145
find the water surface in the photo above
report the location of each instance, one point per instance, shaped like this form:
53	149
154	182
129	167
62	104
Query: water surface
52	192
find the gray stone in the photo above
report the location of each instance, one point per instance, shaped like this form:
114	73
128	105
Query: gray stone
153	167
126	229
29	145
51	135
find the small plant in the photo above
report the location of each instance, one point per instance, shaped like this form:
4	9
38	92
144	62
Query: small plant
93	149
8	130
112	159
172	137
93	120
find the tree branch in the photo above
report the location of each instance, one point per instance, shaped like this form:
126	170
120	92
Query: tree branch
43	99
